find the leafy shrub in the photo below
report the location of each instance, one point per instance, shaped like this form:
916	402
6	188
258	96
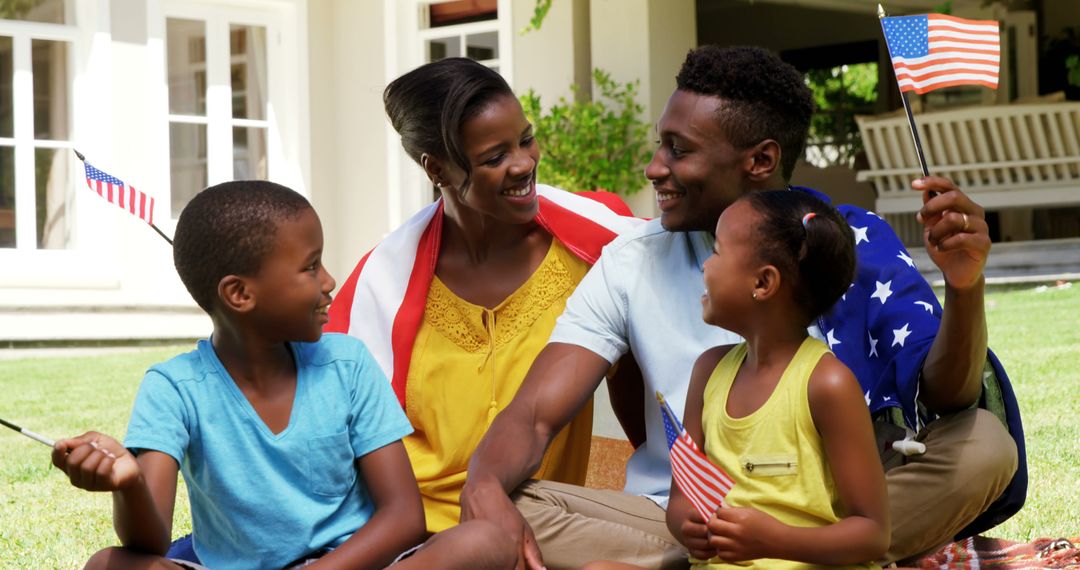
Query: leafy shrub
592	145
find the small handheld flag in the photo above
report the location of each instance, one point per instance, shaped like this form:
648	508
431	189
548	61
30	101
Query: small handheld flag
703	483
111	188
28	433
933	51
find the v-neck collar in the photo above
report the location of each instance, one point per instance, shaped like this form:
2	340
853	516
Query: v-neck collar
208	352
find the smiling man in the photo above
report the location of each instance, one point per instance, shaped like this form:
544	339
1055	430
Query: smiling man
736	124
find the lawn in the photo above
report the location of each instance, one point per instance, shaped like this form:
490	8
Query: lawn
46	523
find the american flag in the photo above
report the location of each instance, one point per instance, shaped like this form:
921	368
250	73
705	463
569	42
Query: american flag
116	192
933	51
703	483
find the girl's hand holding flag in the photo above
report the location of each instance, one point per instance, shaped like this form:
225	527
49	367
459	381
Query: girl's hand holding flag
744	533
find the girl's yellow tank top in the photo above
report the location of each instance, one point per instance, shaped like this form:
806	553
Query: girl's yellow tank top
774	454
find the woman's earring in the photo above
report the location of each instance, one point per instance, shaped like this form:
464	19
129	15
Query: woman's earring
754	295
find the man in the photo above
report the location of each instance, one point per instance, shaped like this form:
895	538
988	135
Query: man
736	123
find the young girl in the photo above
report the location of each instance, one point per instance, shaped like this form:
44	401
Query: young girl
779	412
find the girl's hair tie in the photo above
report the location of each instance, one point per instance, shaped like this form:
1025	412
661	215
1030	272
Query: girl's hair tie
807	217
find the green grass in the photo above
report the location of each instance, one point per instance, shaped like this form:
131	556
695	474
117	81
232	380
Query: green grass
46	523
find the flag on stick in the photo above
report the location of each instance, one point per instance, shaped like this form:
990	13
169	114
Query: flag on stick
703	483
931	51
27	433
111	188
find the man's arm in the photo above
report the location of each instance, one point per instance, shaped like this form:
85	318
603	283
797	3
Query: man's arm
559	383
958	241
557	387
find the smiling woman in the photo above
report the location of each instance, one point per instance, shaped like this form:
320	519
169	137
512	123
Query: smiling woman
457	303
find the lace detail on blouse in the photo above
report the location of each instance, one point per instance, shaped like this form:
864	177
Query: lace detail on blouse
464	323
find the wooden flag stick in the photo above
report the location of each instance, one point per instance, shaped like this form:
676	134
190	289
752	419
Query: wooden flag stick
28	433
156	229
904	98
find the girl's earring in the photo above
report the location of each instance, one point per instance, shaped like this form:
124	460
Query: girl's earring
754	295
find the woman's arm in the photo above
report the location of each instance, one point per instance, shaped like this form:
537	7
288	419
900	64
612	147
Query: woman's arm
862	535
684	522
144	490
398	521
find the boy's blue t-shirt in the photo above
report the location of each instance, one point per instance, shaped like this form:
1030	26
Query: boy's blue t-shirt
260	500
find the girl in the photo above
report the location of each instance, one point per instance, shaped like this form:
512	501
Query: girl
782	415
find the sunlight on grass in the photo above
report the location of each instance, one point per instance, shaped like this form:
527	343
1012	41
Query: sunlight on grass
1036	337
46	523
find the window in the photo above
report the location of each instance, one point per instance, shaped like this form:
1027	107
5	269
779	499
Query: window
462	28
217	65
422	31
36	39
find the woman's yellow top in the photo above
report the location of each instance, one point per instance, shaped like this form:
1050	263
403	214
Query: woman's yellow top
467	363
774	454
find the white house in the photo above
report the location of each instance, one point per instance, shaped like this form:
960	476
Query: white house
173	95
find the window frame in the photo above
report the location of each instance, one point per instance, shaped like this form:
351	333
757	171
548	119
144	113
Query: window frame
287	134
23	139
407	31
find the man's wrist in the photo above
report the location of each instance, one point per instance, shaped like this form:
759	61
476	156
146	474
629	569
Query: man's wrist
976	288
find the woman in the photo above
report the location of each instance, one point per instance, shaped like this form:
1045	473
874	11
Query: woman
456	303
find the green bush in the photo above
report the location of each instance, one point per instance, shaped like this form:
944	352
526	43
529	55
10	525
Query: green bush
592	145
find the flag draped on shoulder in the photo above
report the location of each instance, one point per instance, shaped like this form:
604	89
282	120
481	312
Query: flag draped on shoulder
704	484
382	302
931	51
126	197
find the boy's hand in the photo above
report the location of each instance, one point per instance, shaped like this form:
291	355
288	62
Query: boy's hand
742	533
696	537
96	462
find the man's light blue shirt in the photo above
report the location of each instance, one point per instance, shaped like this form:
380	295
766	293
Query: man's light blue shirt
259	499
643	295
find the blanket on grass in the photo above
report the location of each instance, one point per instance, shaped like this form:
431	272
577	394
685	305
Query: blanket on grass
996	553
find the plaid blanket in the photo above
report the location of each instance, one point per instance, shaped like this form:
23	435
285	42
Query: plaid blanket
983	552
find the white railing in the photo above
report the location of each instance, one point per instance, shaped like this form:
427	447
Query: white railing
1005	155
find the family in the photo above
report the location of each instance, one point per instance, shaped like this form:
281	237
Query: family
449	426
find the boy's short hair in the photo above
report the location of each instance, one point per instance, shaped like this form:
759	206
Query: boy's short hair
228	229
765	97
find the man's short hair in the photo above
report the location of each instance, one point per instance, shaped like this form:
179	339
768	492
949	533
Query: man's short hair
228	229
765	98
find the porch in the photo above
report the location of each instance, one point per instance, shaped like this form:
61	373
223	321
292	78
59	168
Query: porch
1020	162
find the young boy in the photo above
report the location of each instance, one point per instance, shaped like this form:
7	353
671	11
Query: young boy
289	441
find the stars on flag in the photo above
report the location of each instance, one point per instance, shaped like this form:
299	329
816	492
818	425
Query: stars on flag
829	338
883	291
900	335
910	263
873	344
927	306
860	235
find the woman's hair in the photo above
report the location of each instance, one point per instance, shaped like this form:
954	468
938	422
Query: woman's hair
429	105
809	242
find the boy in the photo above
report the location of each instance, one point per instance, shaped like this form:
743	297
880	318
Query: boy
289	441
